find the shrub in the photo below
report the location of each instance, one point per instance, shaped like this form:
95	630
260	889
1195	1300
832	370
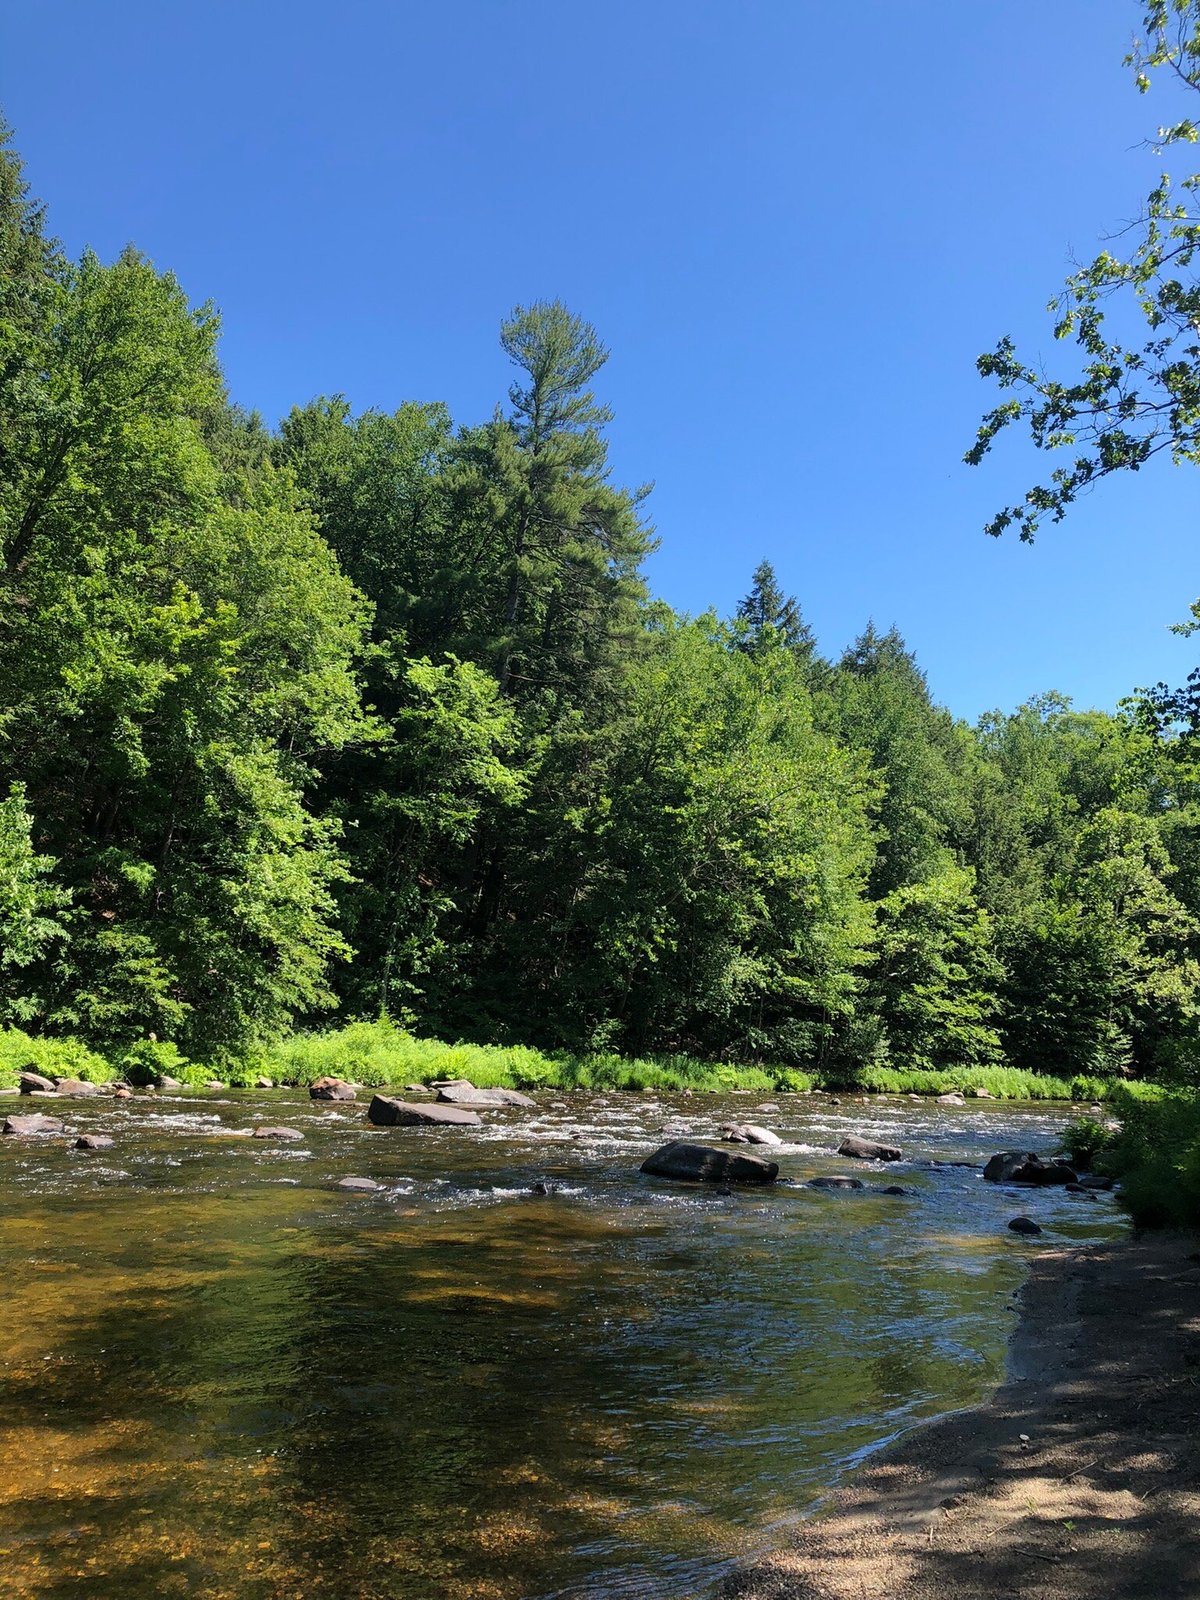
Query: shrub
53	1058
1156	1155
151	1059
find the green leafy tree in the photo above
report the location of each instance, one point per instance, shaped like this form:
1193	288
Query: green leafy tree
1129	401
935	976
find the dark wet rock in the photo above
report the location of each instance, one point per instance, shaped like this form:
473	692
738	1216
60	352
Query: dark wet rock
1020	1166
541	1187
748	1133
1093	1180
387	1112
951	1100
868	1149
836	1183
1024	1225
94	1141
330	1089
358	1185
702	1163
896	1188
277	1133
834	1101
76	1086
32	1082
24	1127
469	1095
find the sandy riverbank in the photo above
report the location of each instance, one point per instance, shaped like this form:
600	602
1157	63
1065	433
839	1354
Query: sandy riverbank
1080	1480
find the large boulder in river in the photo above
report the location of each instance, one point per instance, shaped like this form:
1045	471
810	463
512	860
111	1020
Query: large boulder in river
25	1126
330	1089
748	1133
1022	1166
703	1163
34	1083
868	1149
466	1094
387	1112
76	1086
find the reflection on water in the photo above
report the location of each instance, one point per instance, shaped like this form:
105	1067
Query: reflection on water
222	1376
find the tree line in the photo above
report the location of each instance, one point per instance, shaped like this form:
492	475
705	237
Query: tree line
375	714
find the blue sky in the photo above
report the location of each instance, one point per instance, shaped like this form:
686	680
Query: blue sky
794	234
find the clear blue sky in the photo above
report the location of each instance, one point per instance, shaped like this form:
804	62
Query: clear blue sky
795	237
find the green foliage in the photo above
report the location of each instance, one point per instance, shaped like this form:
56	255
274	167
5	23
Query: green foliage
1129	401
1001	1083
1156	1156
151	1059
53	1058
1085	1138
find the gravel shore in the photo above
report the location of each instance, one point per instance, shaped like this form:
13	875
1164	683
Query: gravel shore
1080	1480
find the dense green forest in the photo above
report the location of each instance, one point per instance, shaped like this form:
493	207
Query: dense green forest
374	715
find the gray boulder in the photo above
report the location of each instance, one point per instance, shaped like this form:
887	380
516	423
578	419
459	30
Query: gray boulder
387	1112
469	1095
1023	1166
868	1149
702	1163
358	1185
25	1126
748	1133
277	1133
951	1100
76	1086
94	1141
33	1082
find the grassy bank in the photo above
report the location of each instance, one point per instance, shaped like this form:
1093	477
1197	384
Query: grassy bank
1153	1148
380	1054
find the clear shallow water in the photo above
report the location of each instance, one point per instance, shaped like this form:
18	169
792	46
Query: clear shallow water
219	1375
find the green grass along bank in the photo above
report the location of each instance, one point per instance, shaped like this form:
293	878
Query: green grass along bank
379	1053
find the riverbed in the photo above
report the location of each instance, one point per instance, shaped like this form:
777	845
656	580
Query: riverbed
222	1375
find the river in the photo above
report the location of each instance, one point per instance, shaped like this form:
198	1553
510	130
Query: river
222	1376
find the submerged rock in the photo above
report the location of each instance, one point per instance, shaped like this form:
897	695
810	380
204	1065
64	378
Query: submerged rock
541	1187
868	1149
330	1089
1021	1166
387	1112
702	1163
32	1082
468	1095
94	1141
1024	1225
896	1188
277	1133
836	1183
748	1133
26	1126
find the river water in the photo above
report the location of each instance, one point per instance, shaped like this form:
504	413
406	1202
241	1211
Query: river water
221	1376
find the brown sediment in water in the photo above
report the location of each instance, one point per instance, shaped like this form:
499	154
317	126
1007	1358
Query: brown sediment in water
1080	1480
